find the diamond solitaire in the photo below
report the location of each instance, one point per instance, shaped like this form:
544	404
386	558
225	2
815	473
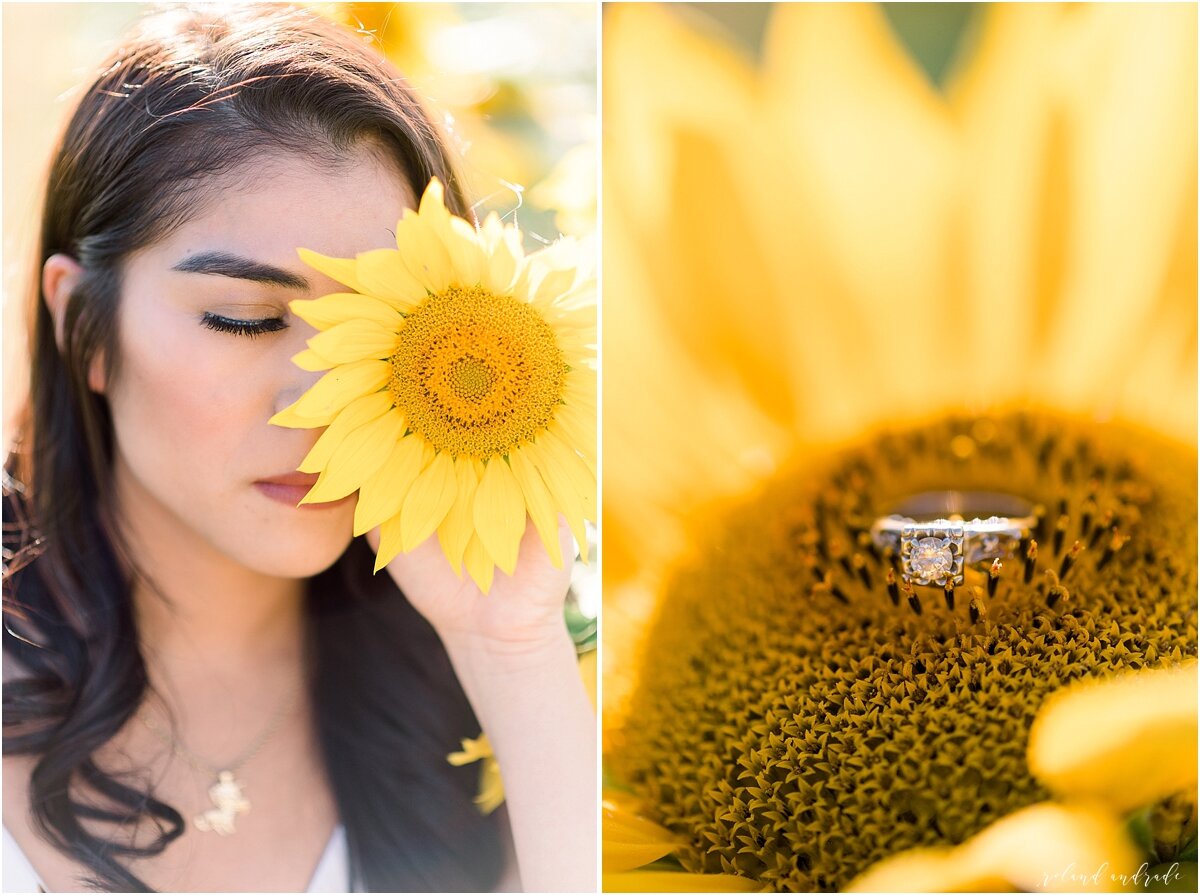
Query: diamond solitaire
933	543
931	558
932	552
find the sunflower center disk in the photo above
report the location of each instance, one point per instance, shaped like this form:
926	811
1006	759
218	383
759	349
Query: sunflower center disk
796	718
477	374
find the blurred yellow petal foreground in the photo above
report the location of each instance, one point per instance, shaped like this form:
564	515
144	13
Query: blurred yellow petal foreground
1128	741
630	841
460	396
1044	848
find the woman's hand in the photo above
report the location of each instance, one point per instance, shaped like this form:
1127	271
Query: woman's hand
514	657
522	611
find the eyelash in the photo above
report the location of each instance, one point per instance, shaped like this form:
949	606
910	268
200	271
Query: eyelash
251	328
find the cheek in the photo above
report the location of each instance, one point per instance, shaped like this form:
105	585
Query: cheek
185	410
190	413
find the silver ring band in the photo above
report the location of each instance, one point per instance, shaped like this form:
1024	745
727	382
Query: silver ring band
935	535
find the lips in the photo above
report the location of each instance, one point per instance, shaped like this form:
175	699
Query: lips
294	479
290	489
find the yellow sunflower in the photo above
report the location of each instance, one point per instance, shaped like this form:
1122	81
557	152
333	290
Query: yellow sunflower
460	392
830	285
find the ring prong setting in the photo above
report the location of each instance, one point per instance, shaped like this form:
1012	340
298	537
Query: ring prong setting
931	553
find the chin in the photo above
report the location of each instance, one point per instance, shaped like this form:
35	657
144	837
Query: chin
298	559
300	549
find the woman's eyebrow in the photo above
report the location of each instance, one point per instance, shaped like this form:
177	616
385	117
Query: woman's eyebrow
228	265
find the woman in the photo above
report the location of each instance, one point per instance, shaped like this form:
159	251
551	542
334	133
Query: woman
206	689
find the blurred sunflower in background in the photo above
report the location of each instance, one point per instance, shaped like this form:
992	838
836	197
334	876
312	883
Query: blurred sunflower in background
514	84
832	279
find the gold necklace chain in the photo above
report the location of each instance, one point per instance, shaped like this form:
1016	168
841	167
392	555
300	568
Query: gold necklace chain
226	793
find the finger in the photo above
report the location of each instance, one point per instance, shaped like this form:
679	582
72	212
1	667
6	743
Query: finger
535	564
566	540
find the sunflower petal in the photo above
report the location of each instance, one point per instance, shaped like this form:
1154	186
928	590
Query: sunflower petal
623	825
433	201
630	841
472	750
292	420
340	269
567	499
354	340
339	387
539	503
582	479
479	565
506	255
1045	847
491	787
428	501
312	362
455	531
384	275
582	317
1141	742
382	495
389	542
928	870
468	257
621	856
578	430
338	307
553	285
500	514
356	458
357	413
423	253
588	459
667	881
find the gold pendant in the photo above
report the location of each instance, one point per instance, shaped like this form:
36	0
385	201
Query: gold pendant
226	794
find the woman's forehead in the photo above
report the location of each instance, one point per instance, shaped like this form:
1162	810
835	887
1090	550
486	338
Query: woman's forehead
281	203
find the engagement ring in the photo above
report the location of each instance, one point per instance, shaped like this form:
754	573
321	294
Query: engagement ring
937	533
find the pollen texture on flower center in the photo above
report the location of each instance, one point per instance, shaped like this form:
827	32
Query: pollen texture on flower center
470	378
477	374
803	712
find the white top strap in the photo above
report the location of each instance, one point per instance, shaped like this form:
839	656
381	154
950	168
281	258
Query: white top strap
19	875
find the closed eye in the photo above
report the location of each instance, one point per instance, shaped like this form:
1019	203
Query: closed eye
250	328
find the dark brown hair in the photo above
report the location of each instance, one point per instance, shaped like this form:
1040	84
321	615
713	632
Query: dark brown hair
176	116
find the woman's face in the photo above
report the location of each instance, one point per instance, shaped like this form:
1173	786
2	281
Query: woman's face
191	397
